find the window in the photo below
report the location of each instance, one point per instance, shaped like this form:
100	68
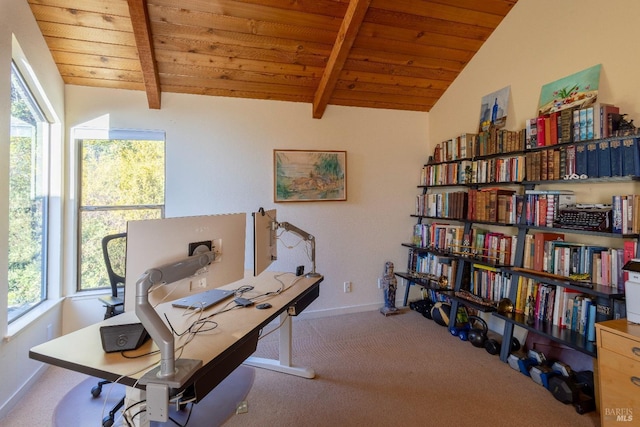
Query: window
121	179
28	200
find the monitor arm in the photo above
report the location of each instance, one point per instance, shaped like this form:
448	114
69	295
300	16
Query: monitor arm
306	237
168	372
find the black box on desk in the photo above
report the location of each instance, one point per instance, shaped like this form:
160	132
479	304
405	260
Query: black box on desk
123	337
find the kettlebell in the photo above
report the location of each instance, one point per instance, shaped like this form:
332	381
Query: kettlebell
493	345
477	336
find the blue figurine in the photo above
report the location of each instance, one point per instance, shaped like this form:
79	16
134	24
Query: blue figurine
389	286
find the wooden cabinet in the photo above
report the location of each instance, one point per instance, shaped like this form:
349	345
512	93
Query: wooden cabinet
619	372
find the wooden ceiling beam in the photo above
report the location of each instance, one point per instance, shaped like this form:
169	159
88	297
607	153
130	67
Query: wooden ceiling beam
144	43
346	36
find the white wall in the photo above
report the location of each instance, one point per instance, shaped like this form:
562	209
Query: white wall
539	42
16	369
220	160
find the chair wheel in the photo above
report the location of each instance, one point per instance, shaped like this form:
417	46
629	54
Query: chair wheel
96	390
107	421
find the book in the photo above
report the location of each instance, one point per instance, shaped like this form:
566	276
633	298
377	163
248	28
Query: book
581	160
604	159
570	160
553	128
592	160
538	251
541	131
605	124
531	133
589	123
615	156
576	125
616	214
582	123
630	157
566	126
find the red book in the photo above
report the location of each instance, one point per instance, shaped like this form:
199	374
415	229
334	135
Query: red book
553	128
540	127
538	247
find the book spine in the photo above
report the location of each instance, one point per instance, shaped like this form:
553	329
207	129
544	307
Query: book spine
604	159
615	149
592	160
581	160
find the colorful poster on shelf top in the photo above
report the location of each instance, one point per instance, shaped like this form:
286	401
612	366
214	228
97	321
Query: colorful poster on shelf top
577	90
493	109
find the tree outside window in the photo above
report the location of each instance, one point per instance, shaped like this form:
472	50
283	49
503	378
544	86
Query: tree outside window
121	180
28	197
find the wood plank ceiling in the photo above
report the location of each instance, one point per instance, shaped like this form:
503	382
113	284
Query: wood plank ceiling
395	54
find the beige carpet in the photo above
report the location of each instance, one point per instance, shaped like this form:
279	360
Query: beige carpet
371	370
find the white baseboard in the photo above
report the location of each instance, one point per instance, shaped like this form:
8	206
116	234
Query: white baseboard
22	391
316	314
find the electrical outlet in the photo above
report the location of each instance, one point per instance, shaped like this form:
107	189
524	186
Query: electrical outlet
347	286
202	282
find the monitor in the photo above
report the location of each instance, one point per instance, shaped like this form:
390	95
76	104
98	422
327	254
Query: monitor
157	242
265	240
265	243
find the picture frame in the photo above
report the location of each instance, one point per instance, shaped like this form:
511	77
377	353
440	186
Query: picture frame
493	109
309	175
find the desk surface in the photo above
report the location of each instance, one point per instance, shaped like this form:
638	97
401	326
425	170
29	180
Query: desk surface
221	349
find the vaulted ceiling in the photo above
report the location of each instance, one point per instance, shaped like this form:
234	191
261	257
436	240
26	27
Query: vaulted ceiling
395	54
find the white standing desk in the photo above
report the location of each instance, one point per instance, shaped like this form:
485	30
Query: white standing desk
221	349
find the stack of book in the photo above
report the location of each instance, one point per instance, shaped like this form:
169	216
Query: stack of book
489	282
557	305
572	125
543	205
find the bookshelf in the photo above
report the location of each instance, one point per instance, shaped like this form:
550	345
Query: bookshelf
464	193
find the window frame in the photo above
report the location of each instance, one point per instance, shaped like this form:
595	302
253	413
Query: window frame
45	121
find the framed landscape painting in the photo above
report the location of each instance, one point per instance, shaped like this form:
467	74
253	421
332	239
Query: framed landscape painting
309	175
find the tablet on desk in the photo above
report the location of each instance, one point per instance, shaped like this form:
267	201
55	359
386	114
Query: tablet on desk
203	300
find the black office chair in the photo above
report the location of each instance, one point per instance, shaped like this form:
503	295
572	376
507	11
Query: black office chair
112	245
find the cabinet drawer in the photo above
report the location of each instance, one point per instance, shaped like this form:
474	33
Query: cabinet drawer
619	378
621	345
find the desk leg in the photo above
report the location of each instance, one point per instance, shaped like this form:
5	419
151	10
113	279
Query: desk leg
283	364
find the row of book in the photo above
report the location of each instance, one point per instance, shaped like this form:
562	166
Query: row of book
471	145
615	157
557	305
489	282
481	244
499	169
545	165
598	159
542	206
493	205
625	214
438	236
548	252
451	205
433	267
502	169
595	121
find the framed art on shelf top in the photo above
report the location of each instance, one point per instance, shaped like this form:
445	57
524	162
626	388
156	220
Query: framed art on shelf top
309	175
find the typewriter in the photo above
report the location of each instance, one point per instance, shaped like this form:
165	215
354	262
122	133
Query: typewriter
584	217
